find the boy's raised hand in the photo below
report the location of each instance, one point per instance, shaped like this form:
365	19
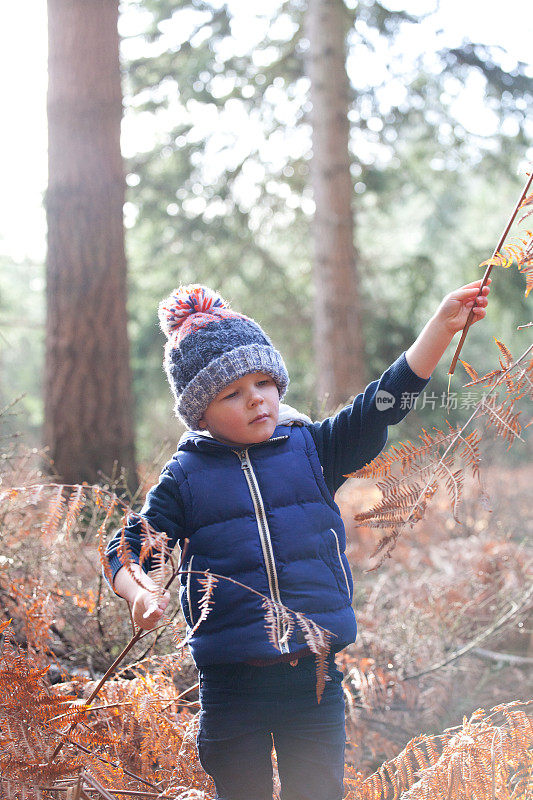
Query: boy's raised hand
450	317
456	306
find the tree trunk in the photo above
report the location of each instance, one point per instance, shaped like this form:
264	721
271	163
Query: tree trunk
338	335
88	394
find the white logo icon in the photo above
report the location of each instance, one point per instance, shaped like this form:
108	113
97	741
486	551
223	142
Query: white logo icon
384	400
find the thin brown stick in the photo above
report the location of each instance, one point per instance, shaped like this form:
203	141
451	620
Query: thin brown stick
116	764
124	792
79	786
497	249
120	657
508	658
515	608
91	780
95	691
190	689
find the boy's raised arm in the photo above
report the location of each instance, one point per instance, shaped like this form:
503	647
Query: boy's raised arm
354	436
450	317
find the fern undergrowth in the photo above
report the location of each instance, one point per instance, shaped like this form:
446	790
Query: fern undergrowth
130	731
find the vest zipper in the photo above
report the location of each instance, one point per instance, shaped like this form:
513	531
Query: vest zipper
264	535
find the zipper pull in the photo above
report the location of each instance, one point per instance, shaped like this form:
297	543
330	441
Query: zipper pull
242	456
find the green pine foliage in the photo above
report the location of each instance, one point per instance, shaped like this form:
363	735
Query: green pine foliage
22	317
219	206
219	191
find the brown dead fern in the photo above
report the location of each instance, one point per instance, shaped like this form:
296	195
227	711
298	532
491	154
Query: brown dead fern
28	709
408	475
489	756
62	512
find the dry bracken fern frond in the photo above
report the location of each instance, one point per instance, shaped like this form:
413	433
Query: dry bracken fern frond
519	250
56	510
407	455
28	709
471	371
76	503
502	417
318	641
488	756
408	475
208	583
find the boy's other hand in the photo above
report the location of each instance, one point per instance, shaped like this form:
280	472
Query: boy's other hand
456	306
148	608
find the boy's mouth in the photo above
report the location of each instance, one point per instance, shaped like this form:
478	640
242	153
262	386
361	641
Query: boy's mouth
260	418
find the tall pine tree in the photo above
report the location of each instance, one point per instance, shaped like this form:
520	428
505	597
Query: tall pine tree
339	350
88	399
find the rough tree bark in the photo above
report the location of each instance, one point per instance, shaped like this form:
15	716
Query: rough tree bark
338	342
88	394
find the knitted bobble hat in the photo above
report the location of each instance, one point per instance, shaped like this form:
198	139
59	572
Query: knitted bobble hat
209	346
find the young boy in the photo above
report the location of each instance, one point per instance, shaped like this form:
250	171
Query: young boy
252	486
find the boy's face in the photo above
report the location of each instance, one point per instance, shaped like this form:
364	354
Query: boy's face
245	412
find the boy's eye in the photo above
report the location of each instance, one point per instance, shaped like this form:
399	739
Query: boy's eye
233	394
264	382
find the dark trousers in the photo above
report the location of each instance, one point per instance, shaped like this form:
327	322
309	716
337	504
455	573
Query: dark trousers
245	709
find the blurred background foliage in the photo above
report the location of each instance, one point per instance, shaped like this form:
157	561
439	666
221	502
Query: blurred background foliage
218	192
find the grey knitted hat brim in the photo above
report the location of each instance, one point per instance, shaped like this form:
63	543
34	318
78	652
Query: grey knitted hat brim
225	369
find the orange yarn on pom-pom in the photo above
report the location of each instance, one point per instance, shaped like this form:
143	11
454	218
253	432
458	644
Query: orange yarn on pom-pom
177	311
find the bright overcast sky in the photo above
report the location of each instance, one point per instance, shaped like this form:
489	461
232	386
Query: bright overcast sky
23	54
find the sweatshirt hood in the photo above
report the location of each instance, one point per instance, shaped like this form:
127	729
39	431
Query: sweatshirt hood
289	416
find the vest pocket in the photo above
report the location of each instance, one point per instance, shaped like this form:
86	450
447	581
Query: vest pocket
339	557
191	589
333	559
188	592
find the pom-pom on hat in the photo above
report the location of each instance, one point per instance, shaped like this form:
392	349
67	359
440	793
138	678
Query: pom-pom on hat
209	346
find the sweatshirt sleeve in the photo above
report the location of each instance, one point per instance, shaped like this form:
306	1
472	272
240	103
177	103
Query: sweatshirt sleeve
354	436
164	511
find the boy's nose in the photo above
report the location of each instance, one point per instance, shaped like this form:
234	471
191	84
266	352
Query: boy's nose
255	398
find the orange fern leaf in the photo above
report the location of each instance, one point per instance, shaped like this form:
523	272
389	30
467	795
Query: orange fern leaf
56	510
317	639
75	504
526	202
471	371
506	353
110	505
391	509
502	418
279	622
489	380
498	260
454	486
469	453
272	622
208	583
480	759
406	455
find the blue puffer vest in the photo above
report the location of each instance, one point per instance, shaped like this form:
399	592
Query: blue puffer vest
264	517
